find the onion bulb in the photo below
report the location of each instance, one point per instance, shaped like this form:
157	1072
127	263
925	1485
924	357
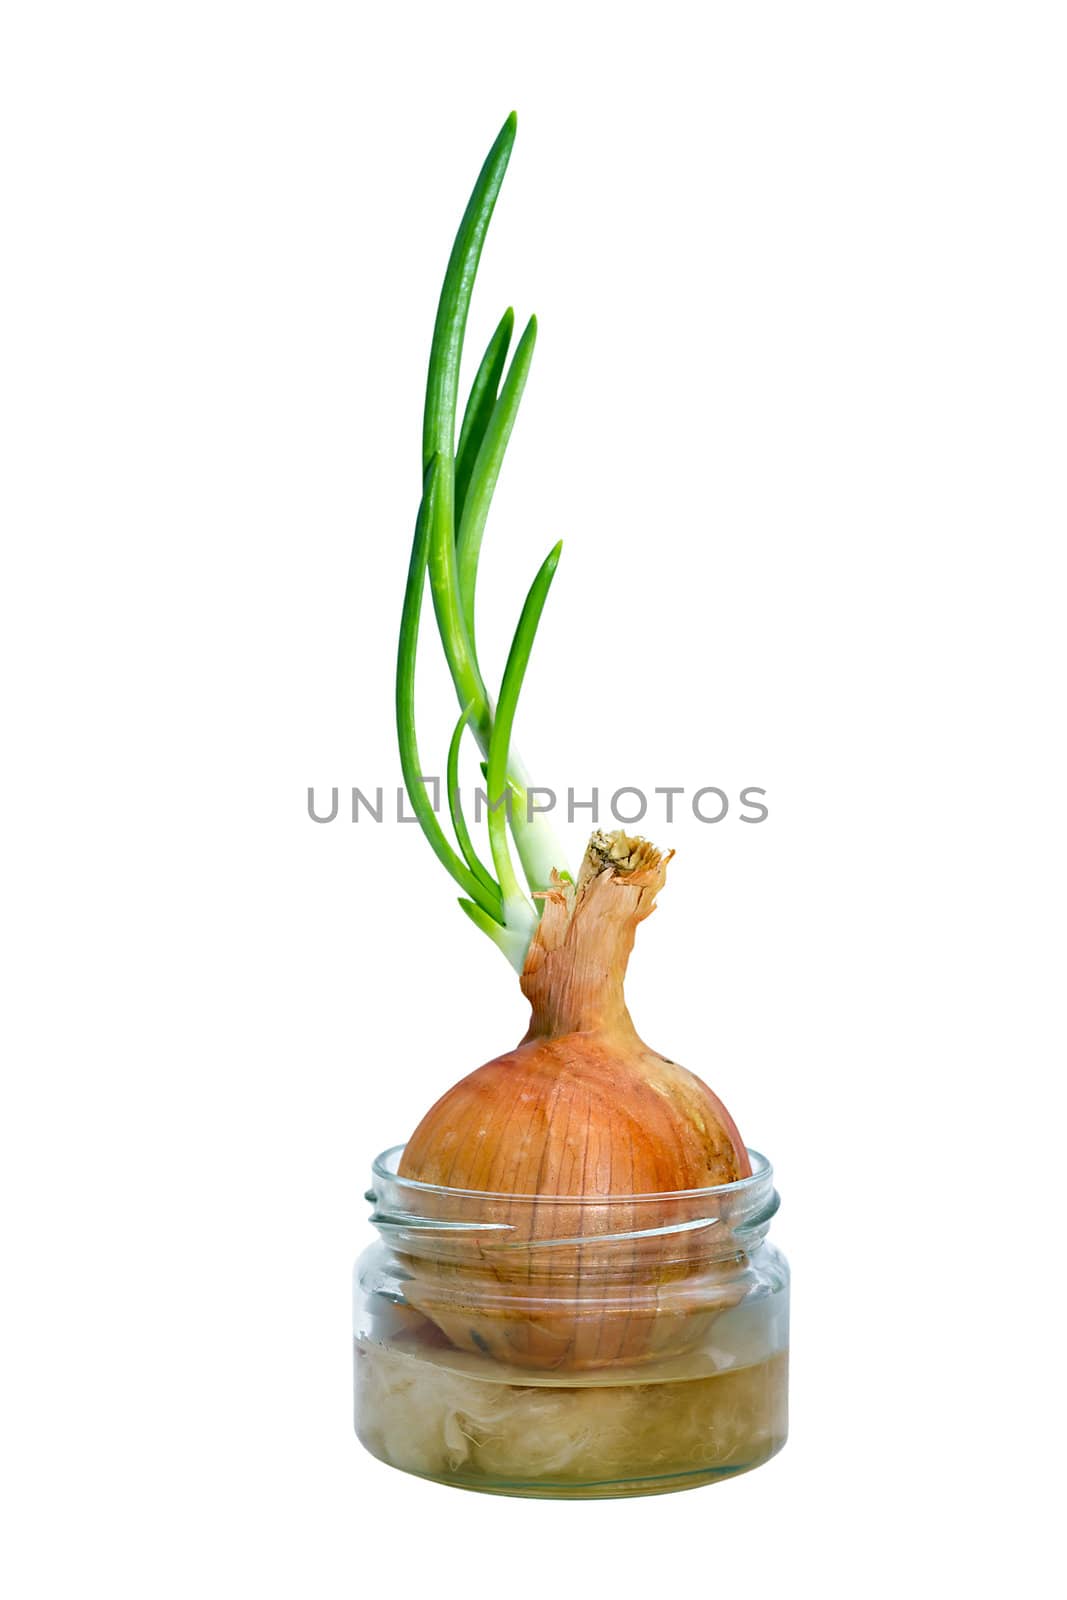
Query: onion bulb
582	1106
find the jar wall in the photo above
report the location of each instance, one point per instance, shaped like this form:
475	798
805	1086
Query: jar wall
700	1394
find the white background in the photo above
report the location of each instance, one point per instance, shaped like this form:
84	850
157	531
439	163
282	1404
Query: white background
797	411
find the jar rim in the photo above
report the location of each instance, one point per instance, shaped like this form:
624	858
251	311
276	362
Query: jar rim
384	1170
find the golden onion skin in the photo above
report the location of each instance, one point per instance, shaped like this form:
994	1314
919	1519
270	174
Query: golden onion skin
581	1114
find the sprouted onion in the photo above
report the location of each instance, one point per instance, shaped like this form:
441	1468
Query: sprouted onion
581	1106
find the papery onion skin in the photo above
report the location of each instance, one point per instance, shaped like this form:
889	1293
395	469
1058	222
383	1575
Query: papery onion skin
581	1114
582	1107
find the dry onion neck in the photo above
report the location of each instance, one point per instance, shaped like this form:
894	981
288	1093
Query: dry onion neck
576	966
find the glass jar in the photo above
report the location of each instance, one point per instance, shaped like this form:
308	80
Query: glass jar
571	1347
